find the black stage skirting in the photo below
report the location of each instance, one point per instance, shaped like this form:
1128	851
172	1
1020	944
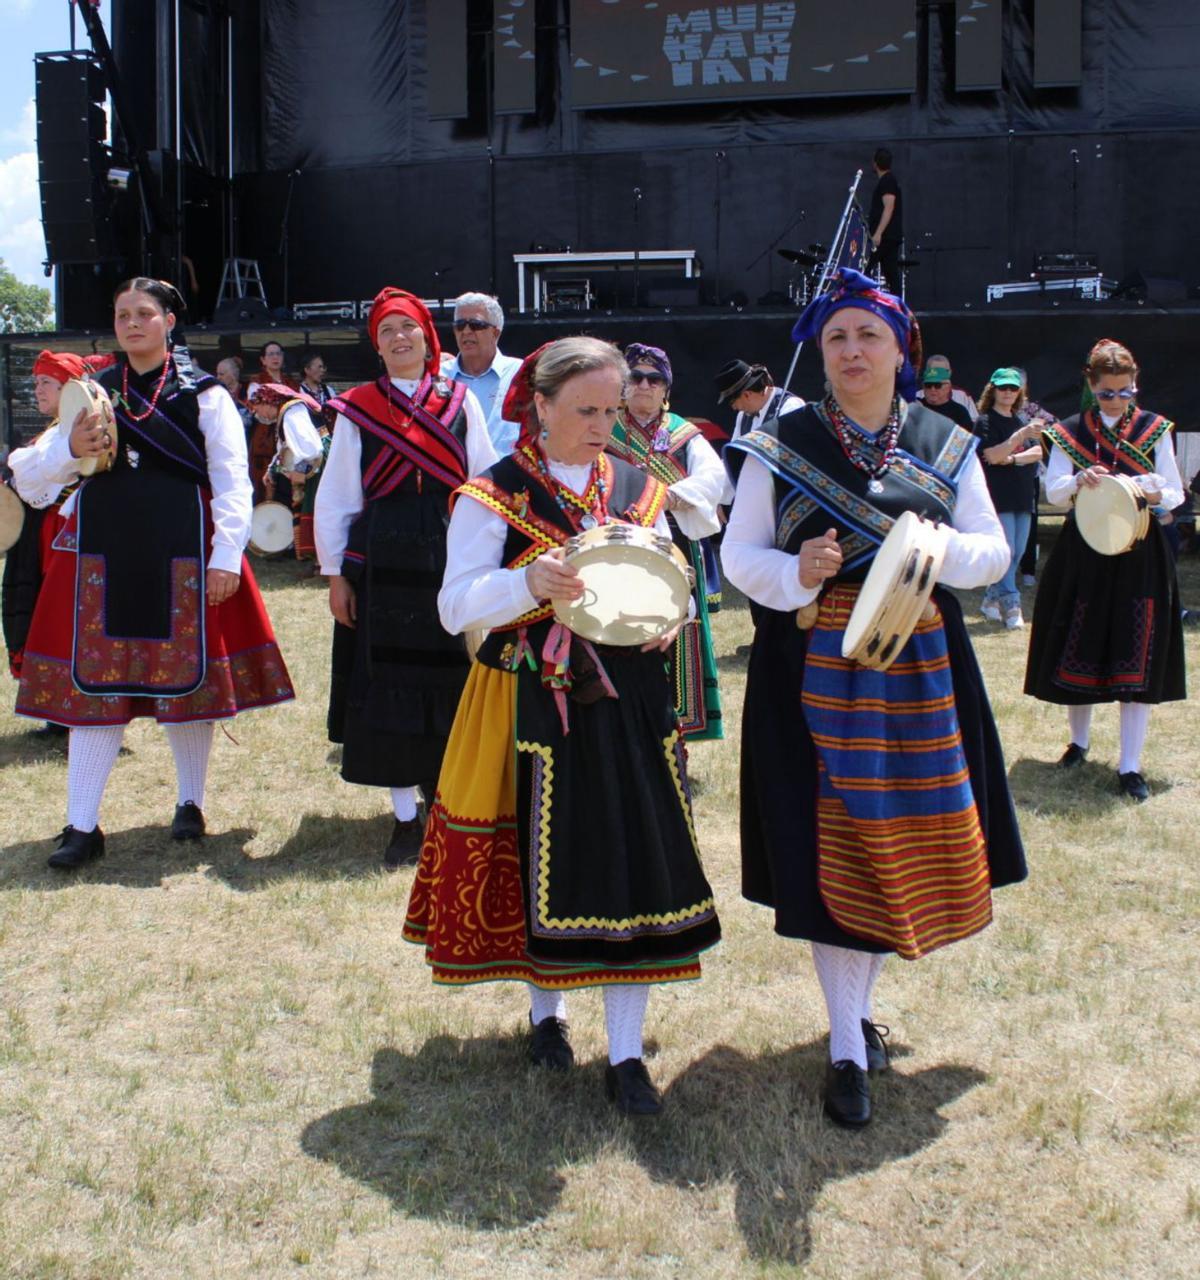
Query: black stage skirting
1049	340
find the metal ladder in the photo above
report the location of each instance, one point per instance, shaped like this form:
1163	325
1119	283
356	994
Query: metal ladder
241	278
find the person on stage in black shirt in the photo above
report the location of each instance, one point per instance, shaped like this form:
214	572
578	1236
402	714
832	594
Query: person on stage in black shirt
936	393
886	221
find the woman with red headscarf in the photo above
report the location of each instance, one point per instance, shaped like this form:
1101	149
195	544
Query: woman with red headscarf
401	445
24	565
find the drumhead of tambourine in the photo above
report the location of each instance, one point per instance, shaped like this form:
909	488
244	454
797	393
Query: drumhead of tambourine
271	527
12	518
1107	515
628	599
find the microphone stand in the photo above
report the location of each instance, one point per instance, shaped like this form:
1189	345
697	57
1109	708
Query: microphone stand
637	246
800	217
1075	209
284	234
718	156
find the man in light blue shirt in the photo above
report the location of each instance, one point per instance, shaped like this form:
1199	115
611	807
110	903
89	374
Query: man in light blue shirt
478	323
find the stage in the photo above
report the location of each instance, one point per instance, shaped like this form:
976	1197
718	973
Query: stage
1049	341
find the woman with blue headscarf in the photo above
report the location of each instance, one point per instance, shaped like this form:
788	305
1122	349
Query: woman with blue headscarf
875	811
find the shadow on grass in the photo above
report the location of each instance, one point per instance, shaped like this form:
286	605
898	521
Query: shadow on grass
465	1131
323	847
1089	788
139	858
31	746
738	660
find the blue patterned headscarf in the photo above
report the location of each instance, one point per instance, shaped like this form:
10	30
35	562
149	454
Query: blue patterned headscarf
853	289
640	353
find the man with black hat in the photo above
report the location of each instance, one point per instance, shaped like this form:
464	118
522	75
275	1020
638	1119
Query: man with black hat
748	389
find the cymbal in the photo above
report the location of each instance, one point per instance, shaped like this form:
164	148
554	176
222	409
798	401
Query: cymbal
799	255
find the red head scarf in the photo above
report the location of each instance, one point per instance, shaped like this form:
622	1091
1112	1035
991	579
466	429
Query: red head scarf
93	364
518	403
62	366
277	394
390	302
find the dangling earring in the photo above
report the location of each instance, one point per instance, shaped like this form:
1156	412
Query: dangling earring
666	405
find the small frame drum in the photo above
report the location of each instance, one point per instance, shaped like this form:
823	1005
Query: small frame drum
77	395
270	529
12	518
1114	516
896	591
636	585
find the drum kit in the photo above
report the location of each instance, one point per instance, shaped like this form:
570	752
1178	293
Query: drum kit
806	272
894	597
1114	516
636	585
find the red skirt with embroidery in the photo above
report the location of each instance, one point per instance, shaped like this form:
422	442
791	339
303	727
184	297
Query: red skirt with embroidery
243	667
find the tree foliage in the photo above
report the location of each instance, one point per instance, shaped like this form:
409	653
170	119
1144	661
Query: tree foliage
24	308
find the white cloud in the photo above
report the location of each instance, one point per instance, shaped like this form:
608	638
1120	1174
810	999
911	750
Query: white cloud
23	134
22	245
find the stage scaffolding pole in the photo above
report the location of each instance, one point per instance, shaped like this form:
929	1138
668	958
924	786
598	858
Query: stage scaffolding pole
831	263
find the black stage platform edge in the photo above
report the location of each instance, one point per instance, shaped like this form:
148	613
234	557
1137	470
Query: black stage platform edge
1049	341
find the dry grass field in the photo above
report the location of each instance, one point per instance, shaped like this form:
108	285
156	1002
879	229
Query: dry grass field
219	1060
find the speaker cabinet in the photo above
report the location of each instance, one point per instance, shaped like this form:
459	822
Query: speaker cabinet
77	206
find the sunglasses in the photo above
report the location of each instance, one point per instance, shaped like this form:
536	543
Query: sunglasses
1126	393
650	379
474	325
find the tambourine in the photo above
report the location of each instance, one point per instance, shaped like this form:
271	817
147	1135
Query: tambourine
636	585
1112	517
12	518
78	395
271	529
896	590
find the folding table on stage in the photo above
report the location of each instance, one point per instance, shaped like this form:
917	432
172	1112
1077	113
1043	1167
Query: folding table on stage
540	265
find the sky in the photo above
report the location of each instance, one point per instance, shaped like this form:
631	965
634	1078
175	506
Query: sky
26	27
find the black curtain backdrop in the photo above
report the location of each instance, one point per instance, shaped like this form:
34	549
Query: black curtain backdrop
339	90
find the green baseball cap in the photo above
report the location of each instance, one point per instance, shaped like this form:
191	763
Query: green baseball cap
936	374
1007	378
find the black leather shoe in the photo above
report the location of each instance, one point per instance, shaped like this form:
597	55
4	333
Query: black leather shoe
1073	755
75	848
628	1084
877	1051
549	1048
404	848
1134	786
847	1095
188	823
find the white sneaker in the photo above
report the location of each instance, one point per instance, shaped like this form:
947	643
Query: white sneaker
990	610
1013	620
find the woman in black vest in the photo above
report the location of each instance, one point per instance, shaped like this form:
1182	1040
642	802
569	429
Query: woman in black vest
1108	628
561	849
149	607
875	810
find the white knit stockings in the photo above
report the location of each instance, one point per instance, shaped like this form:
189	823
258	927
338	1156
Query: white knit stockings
91	754
191	745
